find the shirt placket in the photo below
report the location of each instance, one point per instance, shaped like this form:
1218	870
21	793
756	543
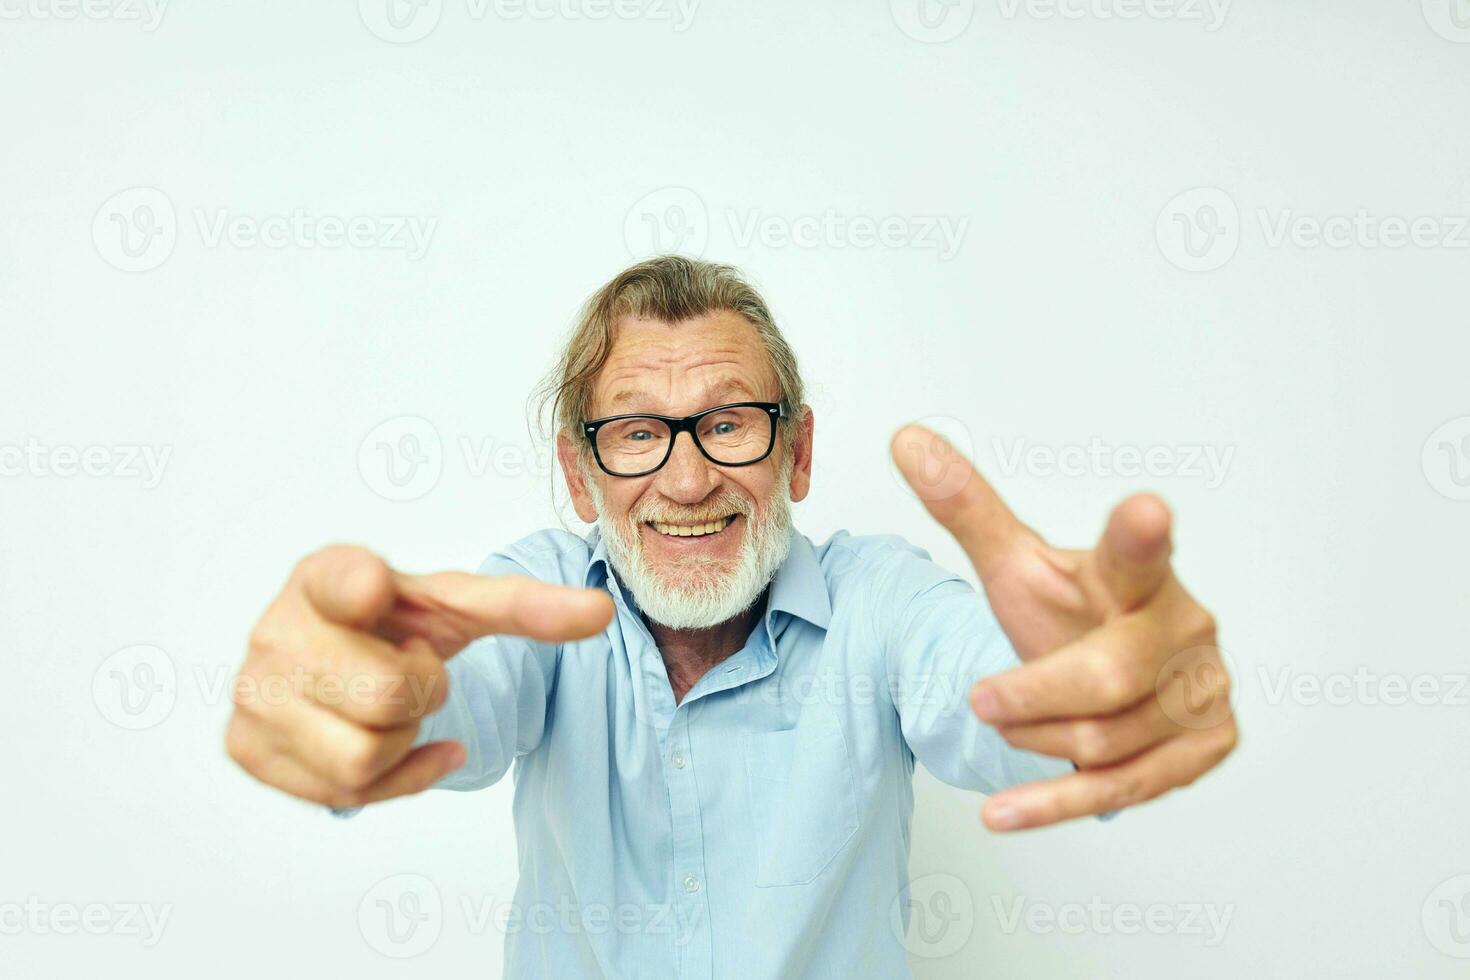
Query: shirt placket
751	663
691	897
692	940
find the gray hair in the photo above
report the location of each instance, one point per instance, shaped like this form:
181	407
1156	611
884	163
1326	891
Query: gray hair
669	288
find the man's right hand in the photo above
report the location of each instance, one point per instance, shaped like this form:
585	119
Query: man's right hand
351	655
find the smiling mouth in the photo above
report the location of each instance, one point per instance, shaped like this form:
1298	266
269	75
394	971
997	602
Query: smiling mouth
693	530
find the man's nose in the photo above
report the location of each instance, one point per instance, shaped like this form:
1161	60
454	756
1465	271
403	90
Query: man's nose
687	477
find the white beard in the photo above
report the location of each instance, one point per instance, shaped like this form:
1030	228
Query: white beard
697	592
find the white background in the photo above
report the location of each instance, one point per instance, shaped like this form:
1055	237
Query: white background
543	147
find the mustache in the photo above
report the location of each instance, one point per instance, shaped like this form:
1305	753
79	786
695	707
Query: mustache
722	504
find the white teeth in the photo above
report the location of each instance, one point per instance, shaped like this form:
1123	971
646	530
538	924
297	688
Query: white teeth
692	530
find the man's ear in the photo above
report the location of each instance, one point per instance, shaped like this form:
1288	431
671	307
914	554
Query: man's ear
571	468
801	455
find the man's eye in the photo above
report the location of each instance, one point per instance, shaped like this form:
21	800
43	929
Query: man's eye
724	428
640	435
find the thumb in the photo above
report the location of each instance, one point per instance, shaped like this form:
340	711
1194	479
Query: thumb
450	609
346	585
1133	556
956	495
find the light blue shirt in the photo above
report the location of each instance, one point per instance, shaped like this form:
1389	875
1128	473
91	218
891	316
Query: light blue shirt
759	828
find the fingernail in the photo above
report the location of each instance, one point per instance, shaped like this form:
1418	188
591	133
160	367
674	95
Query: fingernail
986	706
1004	817
457	756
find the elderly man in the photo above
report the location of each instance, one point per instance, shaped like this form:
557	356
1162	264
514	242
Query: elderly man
715	721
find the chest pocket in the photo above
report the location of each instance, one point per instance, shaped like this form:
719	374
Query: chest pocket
803	802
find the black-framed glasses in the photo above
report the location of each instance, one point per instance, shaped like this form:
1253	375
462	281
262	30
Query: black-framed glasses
738	434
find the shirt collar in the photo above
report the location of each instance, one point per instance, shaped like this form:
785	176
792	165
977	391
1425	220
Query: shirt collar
798	588
598	568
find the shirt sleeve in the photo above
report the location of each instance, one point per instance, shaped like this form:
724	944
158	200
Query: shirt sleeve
941	638
499	687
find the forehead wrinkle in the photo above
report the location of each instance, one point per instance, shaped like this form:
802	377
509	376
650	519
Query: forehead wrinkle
637	377
661	367
713	393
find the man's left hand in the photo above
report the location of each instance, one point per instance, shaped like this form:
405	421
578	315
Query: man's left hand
1121	673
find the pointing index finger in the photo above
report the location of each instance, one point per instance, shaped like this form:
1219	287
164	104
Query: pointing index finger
955	494
452	608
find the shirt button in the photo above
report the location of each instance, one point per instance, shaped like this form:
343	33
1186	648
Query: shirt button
678	760
691	884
